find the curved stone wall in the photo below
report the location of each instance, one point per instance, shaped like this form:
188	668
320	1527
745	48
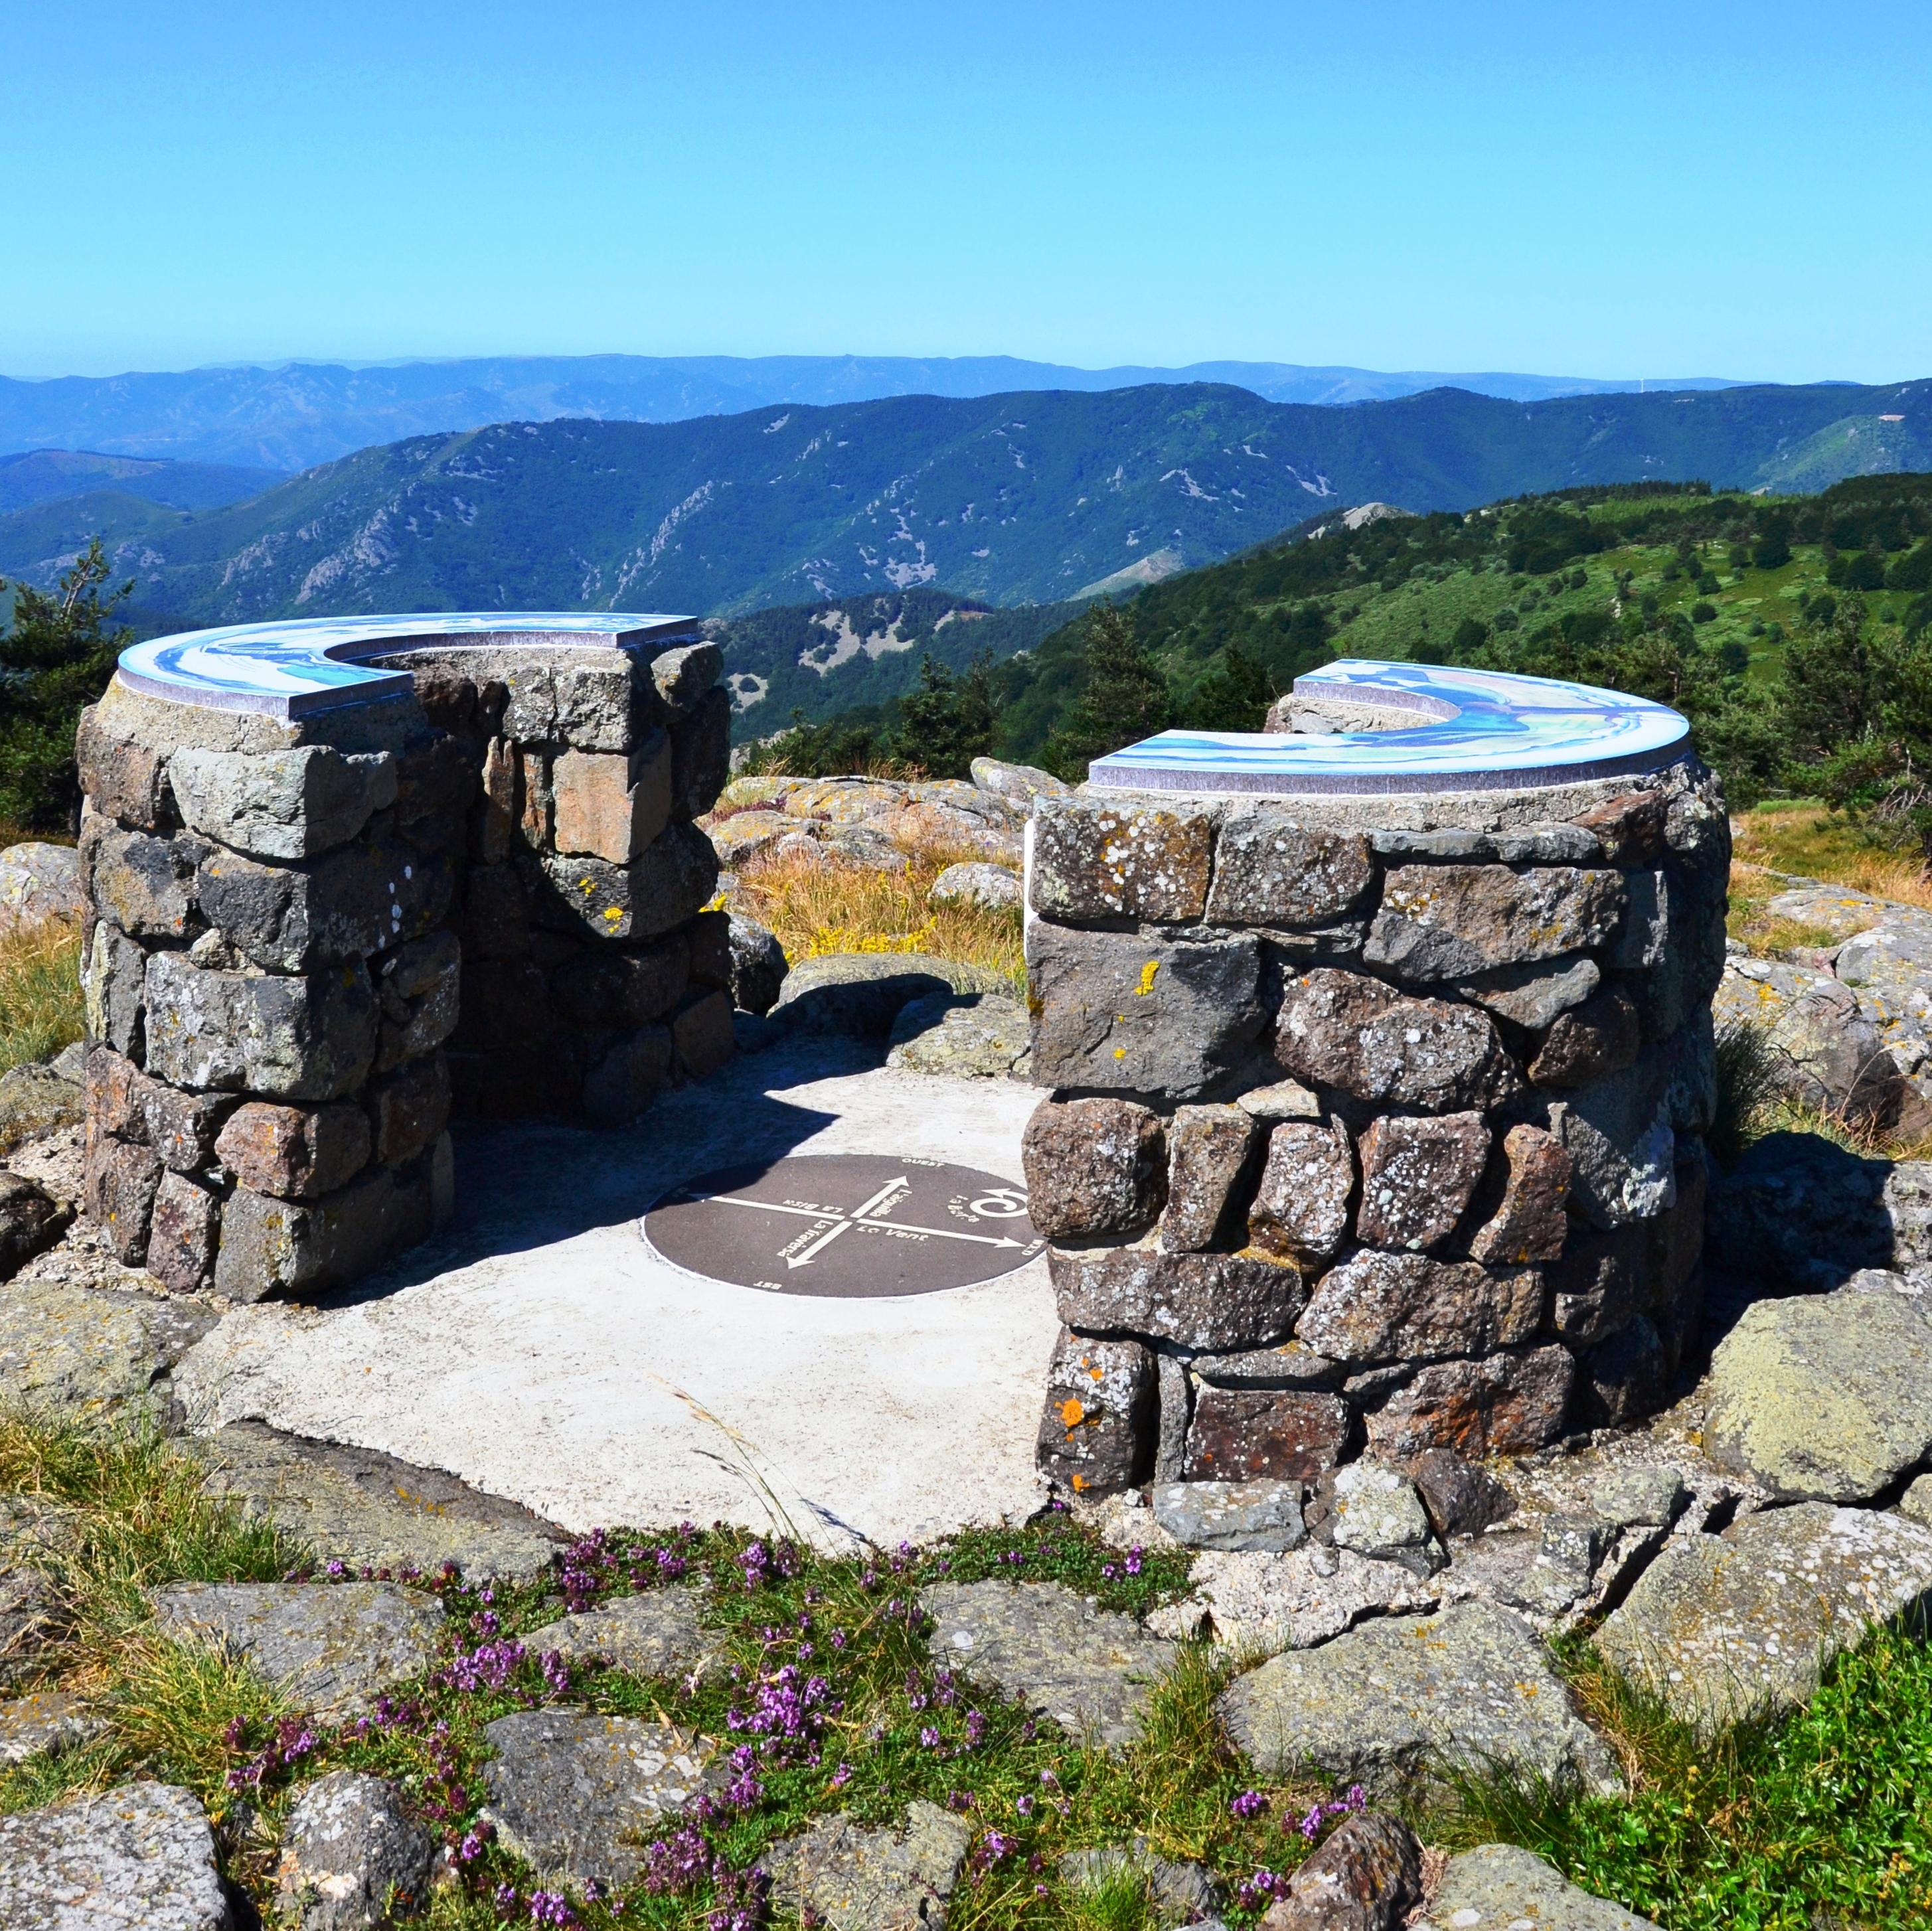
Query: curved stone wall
1376	1122
316	929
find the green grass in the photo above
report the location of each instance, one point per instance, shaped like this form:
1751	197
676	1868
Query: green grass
1774	1824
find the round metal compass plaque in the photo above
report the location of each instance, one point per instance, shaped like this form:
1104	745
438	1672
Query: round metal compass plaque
845	1225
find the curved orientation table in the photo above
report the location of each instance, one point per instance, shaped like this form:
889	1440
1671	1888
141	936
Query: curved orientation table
292	669
1473	730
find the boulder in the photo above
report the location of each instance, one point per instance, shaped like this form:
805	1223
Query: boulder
352	1855
1088	1669
1016	785
1097	1432
37	882
1128	1014
1498	1887
1094	1166
1209	1149
1724	1627
141	1855
1301	1206
1801	1213
1213	1301
758	966
862	993
659	1633
1377	1512
577	1796
1417	1178
1446	921
981	887
1508	1403
840	1874
43	1722
1094	861
31	1221
1239	1434
1393	1703
1263	1514
1822	1398
1270	870
969	1037
77	1351
37	1100
333	1648
1405	1307
1343	1030
1260	1603
1366	1878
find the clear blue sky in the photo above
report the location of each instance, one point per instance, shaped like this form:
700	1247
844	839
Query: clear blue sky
1741	189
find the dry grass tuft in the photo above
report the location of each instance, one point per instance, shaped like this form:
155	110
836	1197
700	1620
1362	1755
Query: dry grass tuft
1813	843
817	905
41	1008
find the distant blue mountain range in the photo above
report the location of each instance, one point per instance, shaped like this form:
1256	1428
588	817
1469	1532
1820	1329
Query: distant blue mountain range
292	415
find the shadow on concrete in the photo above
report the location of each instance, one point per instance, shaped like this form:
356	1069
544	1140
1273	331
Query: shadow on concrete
525	1184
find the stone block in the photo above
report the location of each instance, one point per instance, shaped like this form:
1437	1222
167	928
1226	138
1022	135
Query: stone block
1096	1434
1095	861
1622	1147
179	1126
297	1152
282	804
1534	996
602	988
505	1009
1505	1403
1379	1513
1622	1380
1601	1036
603	704
1405	1307
113	985
146	885
538	807
1345	1030
627	1076
362	899
700	1031
1598	1285
31	1221
436	784
183	1234
758	966
407	1110
125	780
1529	1224
1629	828
1418	1176
1210	1149
1446	921
1461	1499
271	1245
1242	1435
611	805
1213	1301
311	1038
502	779
1132	1015
683	675
669	882
701	755
709	936
420	988
1269	870
1264	1516
121	1183
1092	1166
1301	1206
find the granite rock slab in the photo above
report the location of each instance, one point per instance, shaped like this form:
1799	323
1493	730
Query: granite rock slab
1502	1887
142	1855
75	1351
977	1038
1723	1626
1264	1516
1088	1669
1822	1398
43	1722
334	1647
575	1794
855	1879
352	1855
1387	1703
657	1633
1261	1604
369	1511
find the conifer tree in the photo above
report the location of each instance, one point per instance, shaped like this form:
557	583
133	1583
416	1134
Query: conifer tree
1125	697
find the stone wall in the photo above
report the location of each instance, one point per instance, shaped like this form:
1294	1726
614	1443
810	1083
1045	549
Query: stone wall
309	943
1376	1122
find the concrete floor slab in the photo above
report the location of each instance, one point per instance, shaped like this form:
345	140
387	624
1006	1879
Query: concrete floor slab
539	1351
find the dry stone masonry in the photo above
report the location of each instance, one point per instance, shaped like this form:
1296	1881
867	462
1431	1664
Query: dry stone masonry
1376	1122
310	941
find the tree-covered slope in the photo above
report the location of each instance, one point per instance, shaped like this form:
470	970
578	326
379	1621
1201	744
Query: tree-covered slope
1009	498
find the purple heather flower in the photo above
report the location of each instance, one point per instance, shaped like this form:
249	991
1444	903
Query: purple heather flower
1249	1803
929	1738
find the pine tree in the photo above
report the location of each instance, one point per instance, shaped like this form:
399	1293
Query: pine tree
1235	698
1125	698
54	661
950	719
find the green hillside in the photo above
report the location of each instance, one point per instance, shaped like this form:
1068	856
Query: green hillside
1006	499
1688	596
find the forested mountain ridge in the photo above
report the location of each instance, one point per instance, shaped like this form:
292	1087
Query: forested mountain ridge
1007	499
